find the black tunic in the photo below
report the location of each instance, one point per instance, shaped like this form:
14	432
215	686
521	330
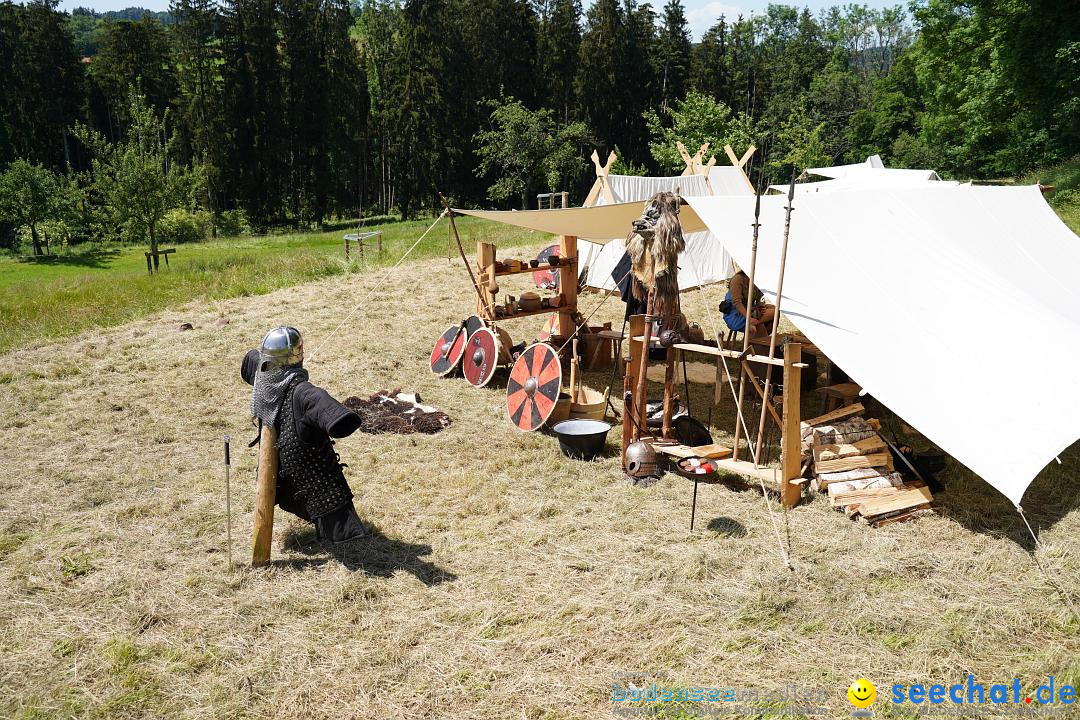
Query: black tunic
314	417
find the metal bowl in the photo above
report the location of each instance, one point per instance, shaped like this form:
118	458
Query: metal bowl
582	439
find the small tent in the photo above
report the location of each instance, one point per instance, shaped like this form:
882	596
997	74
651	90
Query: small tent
700	264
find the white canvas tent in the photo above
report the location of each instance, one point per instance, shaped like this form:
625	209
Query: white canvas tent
699	263
910	291
869	174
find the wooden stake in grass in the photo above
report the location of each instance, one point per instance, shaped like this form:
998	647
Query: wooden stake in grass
265	496
228	506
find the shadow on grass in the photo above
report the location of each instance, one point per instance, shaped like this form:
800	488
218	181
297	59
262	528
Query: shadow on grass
92	259
374	554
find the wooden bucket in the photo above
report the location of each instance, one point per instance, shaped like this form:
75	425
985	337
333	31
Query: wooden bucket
590	405
561	411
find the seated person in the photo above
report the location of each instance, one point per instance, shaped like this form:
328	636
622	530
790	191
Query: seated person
761	315
310	483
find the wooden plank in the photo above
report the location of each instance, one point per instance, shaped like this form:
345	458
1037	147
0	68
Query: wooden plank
866	446
835	415
825	480
770	476
724	352
790	438
713	451
877	460
677	451
858	497
906	498
908	515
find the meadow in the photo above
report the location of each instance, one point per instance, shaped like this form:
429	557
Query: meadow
64	294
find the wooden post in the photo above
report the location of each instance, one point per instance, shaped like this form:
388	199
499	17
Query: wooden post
791	436
265	496
346	249
485	299
567	284
747	329
636	327
640	395
669	392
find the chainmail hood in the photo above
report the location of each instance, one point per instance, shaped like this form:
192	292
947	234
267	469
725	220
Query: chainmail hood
271	385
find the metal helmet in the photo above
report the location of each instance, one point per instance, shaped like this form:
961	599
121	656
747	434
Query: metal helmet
282	347
641	460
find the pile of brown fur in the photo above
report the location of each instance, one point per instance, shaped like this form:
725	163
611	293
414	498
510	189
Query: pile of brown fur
391	412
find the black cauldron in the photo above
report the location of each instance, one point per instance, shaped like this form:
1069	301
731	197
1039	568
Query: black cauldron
582	439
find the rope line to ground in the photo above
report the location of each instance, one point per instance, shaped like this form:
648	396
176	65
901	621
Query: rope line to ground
375	287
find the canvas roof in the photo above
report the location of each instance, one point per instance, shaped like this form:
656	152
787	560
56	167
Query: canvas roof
909	290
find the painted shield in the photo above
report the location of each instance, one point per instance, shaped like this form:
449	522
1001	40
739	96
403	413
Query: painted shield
446	355
481	357
547	278
472	324
533	387
550	328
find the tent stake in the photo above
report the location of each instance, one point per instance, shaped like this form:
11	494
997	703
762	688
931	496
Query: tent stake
746	331
776	316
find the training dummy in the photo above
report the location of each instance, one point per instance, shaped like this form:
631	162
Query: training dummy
310	482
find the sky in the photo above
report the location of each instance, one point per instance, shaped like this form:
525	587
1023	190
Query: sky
701	14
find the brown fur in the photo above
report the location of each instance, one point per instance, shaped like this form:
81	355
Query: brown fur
654	246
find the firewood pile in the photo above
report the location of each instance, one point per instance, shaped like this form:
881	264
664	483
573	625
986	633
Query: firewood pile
845	456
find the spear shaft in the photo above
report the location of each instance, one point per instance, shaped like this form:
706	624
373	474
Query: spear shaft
776	320
746	330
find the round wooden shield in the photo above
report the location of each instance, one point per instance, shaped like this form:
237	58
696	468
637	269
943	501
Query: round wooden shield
533	387
481	357
448	350
550	328
472	324
505	343
546	277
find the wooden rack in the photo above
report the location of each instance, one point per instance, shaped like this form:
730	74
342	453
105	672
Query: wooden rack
568	282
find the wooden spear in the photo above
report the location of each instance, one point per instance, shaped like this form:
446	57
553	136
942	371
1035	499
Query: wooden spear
776	320
746	330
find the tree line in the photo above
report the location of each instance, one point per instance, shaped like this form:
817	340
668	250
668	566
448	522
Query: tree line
293	111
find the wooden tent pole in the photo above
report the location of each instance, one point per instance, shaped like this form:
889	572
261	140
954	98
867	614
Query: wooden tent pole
265	496
776	320
746	331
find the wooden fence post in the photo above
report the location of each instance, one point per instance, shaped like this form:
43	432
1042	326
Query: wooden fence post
791	436
265	496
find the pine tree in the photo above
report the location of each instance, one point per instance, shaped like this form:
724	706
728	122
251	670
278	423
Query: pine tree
49	86
560	42
673	49
709	73
198	56
133	54
415	104
253	109
599	81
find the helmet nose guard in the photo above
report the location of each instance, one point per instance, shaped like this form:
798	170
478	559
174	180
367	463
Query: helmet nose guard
282	347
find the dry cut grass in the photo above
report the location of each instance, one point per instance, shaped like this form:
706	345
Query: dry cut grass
502	581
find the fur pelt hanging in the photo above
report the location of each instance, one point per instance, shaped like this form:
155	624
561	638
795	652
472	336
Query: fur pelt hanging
654	246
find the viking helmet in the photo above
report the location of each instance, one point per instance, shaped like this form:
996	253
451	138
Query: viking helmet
282	347
641	461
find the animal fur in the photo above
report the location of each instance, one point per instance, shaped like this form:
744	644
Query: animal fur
654	246
397	413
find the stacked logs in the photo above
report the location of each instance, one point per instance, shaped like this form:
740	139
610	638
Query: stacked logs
846	457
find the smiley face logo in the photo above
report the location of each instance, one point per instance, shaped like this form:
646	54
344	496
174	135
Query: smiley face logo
862	693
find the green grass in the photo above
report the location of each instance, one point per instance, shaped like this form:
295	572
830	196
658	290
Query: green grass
1065	198
42	298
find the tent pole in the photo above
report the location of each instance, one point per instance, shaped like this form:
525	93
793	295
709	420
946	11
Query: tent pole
776	319
746	332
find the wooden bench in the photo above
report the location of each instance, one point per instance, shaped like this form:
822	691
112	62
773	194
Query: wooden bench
152	259
360	238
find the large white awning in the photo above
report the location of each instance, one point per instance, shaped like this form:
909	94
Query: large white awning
956	307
